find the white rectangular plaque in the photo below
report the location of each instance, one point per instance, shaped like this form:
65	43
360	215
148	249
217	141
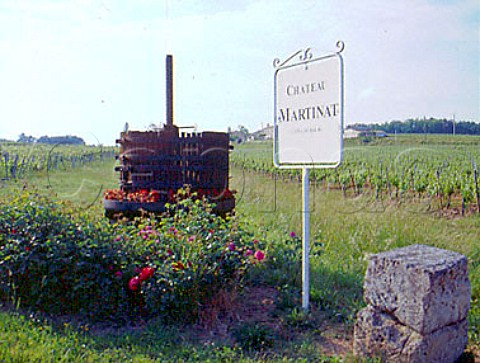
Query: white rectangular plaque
308	120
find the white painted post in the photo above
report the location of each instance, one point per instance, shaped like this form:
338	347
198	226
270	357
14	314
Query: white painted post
305	240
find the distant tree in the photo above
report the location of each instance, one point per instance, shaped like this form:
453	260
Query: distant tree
243	130
25	139
70	140
240	135
427	126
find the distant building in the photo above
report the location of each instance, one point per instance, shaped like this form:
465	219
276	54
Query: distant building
352	132
380	133
237	136
265	133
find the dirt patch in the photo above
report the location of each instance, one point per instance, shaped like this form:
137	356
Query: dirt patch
257	306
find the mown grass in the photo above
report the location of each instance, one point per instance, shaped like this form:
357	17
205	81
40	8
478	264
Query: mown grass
82	186
27	339
24	339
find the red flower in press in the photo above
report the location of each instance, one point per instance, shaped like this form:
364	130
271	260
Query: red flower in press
248	252
146	273
231	246
259	255
178	266
292	234
118	274
134	283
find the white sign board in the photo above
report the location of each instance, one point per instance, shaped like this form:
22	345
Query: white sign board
308	123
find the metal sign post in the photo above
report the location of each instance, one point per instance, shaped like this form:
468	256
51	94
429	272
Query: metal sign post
305	239
308	127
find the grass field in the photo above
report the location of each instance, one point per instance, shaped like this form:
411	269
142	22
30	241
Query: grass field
344	232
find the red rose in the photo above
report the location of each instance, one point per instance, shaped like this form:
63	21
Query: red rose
146	273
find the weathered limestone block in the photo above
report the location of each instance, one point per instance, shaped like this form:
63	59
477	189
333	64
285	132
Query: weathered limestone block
378	334
423	287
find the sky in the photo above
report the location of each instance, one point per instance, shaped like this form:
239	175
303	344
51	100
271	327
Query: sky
86	67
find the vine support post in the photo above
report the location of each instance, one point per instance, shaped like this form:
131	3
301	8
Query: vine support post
477	194
6	157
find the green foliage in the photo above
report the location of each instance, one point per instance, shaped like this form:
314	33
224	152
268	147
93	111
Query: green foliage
68	140
201	254
61	261
439	171
474	315
430	126
22	160
254	337
54	261
299	318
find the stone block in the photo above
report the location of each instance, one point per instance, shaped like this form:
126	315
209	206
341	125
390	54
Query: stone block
423	287
377	334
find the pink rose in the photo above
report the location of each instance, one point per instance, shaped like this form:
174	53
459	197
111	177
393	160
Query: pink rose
134	283
259	255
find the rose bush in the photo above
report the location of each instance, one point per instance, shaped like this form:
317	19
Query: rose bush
55	259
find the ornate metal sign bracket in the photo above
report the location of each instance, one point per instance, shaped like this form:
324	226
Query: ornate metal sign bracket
341	46
304	56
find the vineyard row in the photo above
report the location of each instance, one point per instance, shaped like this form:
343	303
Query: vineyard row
16	165
449	177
